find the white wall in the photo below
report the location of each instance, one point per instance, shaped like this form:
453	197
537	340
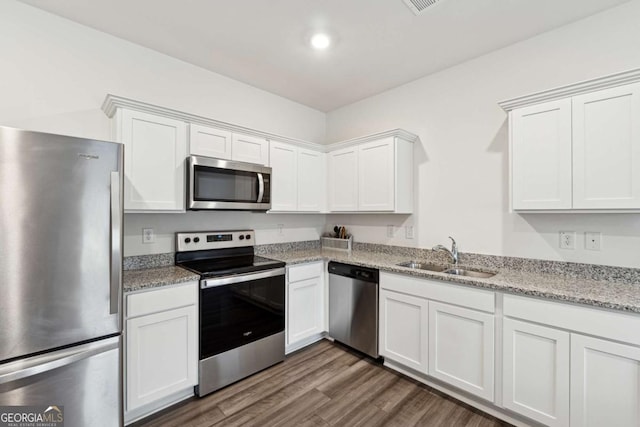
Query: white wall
54	75
461	161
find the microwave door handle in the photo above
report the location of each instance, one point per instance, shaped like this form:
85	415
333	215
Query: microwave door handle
260	188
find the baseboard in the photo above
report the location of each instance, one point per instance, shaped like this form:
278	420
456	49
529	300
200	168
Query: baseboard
464	397
304	343
137	414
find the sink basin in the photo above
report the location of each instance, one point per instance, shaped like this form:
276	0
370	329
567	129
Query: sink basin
423	266
469	273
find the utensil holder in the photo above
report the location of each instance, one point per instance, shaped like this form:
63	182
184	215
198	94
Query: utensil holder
338	244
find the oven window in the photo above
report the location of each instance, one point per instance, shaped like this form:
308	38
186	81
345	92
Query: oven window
234	315
224	185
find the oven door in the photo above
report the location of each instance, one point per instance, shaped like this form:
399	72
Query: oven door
238	310
226	185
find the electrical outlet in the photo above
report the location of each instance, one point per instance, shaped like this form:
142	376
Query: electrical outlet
148	236
567	240
592	240
280	230
408	231
391	230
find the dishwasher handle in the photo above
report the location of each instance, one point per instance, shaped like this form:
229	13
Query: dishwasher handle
364	274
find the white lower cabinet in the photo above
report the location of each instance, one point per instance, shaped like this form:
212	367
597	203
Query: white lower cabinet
536	372
461	343
441	330
306	308
161	348
403	329
605	383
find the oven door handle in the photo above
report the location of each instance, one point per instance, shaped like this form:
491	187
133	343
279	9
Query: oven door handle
240	278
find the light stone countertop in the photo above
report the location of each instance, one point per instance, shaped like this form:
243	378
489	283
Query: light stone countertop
621	293
600	293
148	278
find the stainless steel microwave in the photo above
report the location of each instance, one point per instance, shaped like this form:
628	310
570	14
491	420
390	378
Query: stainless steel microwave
226	185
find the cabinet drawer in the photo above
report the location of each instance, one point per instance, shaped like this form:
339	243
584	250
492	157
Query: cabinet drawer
162	299
305	271
592	321
452	293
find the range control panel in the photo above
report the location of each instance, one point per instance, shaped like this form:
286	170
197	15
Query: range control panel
201	240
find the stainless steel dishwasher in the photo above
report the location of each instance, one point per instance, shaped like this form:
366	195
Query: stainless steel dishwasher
353	306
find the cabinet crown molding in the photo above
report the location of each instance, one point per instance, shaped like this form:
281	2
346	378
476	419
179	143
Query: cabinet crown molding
399	133
611	80
113	102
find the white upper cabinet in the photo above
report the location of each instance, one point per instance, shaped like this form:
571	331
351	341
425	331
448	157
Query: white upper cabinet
606	149
343	180
298	176
250	149
209	142
375	175
223	144
284	164
312	178
541	156
155	150
580	150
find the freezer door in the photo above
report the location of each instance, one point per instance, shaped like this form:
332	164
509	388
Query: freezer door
82	382
60	241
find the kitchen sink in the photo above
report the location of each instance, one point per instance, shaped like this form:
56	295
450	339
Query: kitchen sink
469	273
438	268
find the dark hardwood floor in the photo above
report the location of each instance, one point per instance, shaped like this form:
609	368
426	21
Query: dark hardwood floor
323	385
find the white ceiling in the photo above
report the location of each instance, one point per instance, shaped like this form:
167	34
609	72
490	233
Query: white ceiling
380	44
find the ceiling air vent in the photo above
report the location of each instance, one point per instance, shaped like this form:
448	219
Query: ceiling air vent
419	6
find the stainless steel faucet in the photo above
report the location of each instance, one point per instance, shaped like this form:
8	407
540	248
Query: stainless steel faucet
453	253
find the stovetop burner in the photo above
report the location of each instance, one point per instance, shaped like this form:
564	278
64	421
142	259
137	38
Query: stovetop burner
224	266
216	254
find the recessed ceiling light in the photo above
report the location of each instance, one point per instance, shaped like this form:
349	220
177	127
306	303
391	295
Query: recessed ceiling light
320	41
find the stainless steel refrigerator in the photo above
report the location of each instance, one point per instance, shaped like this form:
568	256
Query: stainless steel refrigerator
61	277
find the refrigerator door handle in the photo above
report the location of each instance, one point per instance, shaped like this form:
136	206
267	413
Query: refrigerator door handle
116	244
39	364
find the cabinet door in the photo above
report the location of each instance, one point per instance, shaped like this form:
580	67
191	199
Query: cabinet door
376	175
210	142
161	355
305	308
605	383
343	180
606	148
284	164
251	149
403	329
155	151
536	372
541	156
312	190
461	348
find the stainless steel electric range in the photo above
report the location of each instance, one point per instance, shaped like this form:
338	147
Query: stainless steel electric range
241	305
